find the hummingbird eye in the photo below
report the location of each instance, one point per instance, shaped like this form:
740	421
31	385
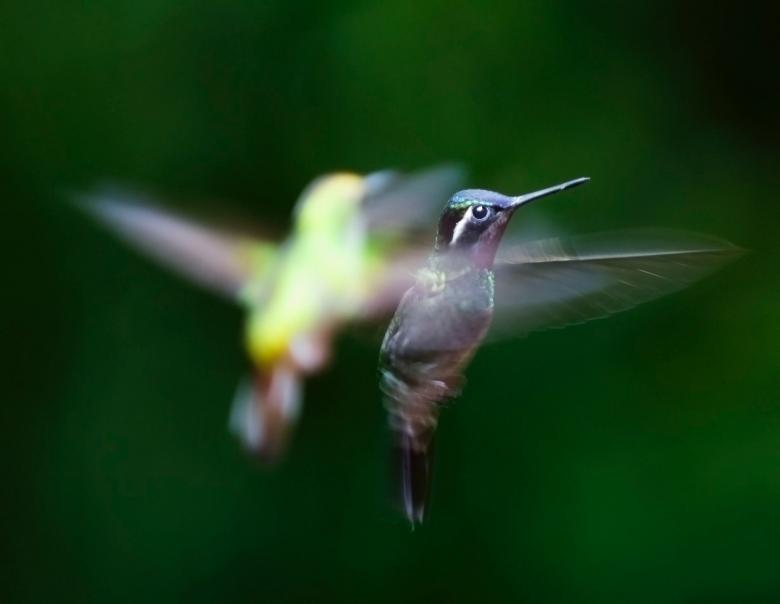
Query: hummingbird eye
480	212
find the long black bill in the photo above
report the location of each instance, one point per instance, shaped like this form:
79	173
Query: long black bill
528	197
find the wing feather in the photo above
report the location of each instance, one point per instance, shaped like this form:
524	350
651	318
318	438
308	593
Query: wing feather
219	261
402	203
558	282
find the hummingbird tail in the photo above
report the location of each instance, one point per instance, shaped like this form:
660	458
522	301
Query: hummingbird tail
413	470
265	410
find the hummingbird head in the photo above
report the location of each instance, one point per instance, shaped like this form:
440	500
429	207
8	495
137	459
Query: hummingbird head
474	220
330	204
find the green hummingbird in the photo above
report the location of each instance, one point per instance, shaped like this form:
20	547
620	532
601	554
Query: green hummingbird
468	282
346	260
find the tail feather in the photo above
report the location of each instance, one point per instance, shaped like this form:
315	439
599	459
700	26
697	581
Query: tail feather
265	410
413	458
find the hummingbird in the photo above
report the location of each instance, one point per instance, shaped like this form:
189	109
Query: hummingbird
347	260
469	281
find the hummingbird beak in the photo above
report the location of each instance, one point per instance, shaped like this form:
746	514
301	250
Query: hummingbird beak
528	197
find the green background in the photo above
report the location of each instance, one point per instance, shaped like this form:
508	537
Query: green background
635	459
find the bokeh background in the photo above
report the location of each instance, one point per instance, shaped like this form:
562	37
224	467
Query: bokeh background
635	459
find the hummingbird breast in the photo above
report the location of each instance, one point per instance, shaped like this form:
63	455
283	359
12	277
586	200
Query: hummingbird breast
434	334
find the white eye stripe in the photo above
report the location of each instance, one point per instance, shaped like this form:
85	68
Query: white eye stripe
460	227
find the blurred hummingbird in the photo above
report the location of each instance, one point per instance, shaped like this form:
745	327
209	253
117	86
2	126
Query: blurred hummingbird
347	259
444	317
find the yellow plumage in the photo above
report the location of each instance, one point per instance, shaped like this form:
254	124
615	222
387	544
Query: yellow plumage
340	263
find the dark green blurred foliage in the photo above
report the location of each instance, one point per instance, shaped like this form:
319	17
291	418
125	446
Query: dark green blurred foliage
629	460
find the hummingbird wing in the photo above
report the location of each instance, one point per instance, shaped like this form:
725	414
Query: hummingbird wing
397	276
397	209
557	282
219	261
399	204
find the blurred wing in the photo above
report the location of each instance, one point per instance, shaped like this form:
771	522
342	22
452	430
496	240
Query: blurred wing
558	282
397	276
395	203
404	206
218	261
